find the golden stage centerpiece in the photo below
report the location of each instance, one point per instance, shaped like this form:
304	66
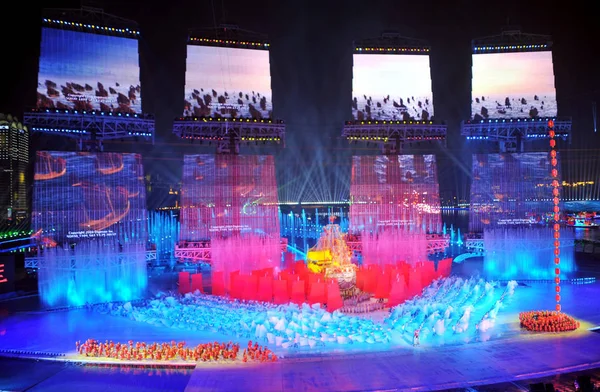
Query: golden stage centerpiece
333	257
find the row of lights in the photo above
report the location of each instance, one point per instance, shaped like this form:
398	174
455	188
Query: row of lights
229	42
91	26
246	139
510	120
509	47
394	50
376	122
13	234
261	139
385	139
93	112
37	129
535	135
210	119
83	131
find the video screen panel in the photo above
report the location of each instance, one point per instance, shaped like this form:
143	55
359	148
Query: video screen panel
400	191
86	71
79	196
510	190
227	194
391	87
227	82
513	85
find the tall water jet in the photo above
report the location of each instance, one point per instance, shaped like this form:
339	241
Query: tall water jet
232	200
393	246
91	272
90	218
526	253
395	204
163	234
304	232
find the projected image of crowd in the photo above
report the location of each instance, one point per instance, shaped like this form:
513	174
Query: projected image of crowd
208	102
513	107
69	95
391	108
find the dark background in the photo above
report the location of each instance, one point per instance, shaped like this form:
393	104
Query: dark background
311	70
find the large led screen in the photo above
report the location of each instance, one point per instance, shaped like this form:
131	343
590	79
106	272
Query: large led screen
225	194
513	85
391	87
510	190
227	82
399	191
79	196
85	71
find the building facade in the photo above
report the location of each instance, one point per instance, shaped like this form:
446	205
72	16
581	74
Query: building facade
14	161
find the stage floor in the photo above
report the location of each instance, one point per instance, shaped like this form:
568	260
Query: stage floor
509	354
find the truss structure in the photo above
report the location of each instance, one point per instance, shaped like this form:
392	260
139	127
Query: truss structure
475	244
90	126
229	135
512	38
436	243
200	251
69	261
89	15
391	42
512	134
227	35
393	136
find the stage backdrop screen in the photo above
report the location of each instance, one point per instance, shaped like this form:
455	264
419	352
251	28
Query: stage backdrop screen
513	85
391	87
86	71
227	82
398	191
226	194
81	196
509	190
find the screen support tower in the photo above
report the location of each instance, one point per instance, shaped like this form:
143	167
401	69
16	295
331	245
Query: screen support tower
229	134
511	135
393	136
90	129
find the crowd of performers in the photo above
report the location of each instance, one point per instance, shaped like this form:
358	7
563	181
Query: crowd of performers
207	352
547	321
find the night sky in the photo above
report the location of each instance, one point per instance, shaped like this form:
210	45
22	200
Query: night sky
311	70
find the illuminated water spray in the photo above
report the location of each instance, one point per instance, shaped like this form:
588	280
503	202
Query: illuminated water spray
163	234
92	272
525	253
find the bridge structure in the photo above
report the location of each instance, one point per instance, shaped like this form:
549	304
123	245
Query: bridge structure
200	251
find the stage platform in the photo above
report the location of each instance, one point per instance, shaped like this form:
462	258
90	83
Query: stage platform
509	354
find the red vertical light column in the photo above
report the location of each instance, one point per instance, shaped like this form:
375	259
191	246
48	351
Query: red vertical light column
556	210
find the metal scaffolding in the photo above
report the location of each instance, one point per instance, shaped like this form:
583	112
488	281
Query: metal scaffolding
229	134
90	126
392	136
512	134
